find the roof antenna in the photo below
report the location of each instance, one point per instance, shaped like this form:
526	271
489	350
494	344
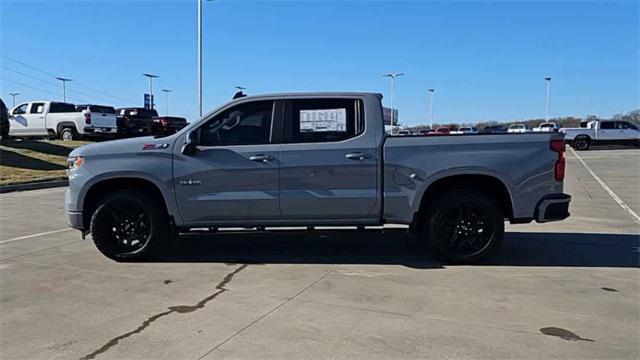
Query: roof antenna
239	93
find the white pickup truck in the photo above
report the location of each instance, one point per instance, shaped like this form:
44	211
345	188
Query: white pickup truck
602	132
546	127
62	120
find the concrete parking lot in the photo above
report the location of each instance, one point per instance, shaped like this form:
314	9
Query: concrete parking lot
557	290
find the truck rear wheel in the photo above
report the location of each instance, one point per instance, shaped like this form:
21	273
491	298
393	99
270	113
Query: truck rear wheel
581	143
464	226
68	134
129	226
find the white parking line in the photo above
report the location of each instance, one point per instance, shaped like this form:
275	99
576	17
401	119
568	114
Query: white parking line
613	195
34	235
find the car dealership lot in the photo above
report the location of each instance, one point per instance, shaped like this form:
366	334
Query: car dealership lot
559	290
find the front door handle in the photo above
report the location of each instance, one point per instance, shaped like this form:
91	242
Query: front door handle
357	156
261	158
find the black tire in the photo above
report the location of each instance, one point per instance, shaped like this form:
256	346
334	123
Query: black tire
130	225
68	134
464	226
581	143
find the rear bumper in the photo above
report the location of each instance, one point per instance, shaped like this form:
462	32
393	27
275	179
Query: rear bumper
553	208
92	130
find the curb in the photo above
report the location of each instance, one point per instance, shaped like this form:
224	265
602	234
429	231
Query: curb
33	186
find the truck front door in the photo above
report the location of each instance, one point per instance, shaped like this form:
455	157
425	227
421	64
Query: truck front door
233	176
328	161
18	121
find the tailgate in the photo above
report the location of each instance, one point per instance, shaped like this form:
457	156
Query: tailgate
100	120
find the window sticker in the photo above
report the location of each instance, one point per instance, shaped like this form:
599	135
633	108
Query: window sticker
323	120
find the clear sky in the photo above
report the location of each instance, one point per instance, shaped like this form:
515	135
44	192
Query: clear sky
486	60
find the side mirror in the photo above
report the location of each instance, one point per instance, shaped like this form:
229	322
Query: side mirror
190	144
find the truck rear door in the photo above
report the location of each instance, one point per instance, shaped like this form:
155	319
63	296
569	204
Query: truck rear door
328	161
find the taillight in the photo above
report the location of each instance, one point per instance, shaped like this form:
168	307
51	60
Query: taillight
87	118
558	146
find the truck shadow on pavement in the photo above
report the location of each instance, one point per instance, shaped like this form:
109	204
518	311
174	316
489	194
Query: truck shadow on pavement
394	247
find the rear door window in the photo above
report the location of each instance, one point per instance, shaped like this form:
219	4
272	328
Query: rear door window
37	108
605	125
322	120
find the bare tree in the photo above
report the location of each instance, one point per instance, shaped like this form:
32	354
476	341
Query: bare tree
633	116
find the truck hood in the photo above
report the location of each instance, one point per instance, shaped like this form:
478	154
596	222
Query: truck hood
123	146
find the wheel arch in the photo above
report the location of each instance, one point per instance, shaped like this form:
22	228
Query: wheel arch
101	188
481	182
66	124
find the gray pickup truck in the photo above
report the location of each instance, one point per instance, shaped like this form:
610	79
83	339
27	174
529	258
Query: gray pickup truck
313	159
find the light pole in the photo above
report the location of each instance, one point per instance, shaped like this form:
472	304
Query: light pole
240	88
431	93
166	101
150	76
546	117
393	77
64	88
200	57
13	95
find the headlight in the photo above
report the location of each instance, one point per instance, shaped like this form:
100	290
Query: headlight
74	162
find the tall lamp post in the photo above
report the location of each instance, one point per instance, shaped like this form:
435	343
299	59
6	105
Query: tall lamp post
150	77
431	93
64	88
200	57
166	101
393	77
13	95
546	117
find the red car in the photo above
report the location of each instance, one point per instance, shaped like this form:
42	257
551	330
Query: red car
440	131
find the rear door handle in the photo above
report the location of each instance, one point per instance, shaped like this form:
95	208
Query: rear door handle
357	156
261	158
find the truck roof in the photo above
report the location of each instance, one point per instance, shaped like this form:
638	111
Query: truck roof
307	94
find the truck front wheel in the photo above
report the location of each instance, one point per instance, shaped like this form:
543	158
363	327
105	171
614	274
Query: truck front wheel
129	226
464	226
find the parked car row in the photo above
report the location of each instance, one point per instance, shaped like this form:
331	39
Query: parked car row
494	129
72	122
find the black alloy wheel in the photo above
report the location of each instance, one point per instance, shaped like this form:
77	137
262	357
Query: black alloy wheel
129	225
464	226
581	143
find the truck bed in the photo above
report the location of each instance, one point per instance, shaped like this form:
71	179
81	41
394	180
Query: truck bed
523	162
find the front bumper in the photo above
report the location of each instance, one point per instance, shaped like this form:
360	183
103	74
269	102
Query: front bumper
553	208
71	213
75	220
